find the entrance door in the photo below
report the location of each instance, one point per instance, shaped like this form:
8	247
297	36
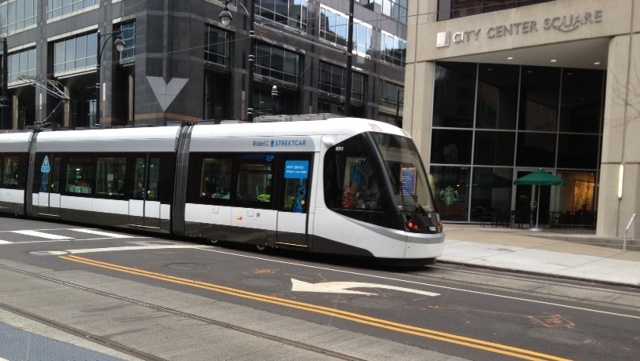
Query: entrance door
48	202
524	195
145	207
293	207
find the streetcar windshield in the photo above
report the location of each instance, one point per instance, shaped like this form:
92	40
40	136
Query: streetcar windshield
404	167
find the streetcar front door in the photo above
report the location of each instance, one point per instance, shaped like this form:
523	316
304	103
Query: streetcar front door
293	208
145	207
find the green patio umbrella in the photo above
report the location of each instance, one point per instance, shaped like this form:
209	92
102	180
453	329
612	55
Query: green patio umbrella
538	179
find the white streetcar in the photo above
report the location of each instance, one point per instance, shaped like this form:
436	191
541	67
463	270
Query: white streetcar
339	186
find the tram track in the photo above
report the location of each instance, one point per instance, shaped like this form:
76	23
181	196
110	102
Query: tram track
116	346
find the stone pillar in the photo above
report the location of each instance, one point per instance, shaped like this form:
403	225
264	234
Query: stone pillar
419	81
15	113
66	118
620	145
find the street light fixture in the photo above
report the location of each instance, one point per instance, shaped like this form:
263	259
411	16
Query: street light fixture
225	16
119	44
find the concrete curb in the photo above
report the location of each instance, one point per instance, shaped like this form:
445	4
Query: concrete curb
519	271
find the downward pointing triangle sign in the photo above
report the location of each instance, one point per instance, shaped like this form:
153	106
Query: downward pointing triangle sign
345	288
165	92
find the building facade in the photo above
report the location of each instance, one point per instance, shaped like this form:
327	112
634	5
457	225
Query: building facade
497	89
179	62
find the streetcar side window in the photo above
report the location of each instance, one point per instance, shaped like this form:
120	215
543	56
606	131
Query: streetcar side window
216	178
255	179
80	176
111	177
13	168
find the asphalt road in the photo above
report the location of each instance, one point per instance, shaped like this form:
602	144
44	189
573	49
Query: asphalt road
161	299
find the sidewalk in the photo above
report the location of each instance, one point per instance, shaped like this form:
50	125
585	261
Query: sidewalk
544	253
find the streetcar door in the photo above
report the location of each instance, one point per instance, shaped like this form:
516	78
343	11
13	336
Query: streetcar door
293	208
48	192
145	208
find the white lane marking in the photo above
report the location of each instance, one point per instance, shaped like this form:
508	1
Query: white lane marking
99	233
4	242
41	235
346	288
118	249
513	298
78	240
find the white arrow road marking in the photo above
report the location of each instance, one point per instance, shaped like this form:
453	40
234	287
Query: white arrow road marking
345	288
99	233
4	242
41	235
165	92
149	247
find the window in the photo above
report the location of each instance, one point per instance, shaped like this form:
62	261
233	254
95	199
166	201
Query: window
394	49
296	185
495	148
497	96
449	9
292	13
111	177
216	179
396	9
17	15
578	151
58	8
333	80
277	63
451	146
217	46
334	27
539	104
47	174
352	177
454	95
128	34
75	54
13	171
392	94
255	179
80	176
451	188
22	65
536	150
581	101
491	199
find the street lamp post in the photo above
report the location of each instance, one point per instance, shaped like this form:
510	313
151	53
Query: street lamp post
119	45
349	85
225	18
4	88
275	93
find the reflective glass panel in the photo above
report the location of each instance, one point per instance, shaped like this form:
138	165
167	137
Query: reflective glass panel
216	182
582	93
578	151
539	104
451	146
491	196
451	190
111	177
454	94
255	179
494	148
497	96
536	150
576	199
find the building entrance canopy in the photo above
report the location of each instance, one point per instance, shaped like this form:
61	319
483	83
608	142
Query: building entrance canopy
581	54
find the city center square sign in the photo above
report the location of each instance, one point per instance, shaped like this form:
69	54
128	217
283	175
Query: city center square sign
563	24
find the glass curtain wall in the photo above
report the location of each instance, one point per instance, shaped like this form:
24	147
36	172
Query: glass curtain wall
494	122
450	9
17	15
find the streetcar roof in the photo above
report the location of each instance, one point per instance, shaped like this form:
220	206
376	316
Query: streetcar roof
163	139
148	139
15	142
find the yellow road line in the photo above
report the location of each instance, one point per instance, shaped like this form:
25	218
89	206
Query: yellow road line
497	348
